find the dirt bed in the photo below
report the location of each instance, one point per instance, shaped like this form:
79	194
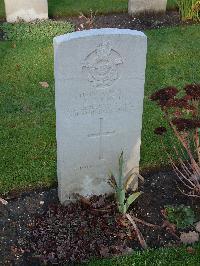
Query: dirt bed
124	21
37	229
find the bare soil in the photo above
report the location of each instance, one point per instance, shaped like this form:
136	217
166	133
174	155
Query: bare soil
36	229
125	21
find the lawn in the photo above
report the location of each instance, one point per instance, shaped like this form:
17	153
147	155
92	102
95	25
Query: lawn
159	257
27	122
64	8
171	4
70	7
2	9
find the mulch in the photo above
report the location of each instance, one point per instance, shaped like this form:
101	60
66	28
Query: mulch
125	21
37	229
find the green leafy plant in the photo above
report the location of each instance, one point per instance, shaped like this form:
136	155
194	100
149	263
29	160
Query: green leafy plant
189	9
182	216
122	185
37	30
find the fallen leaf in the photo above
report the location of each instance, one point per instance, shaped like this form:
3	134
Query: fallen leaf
164	213
14	249
99	203
121	221
18	66
197	227
122	235
190	250
44	84
84	200
4	202
190	237
169	226
104	251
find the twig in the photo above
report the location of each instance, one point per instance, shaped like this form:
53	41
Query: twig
145	223
184	177
108	208
139	234
189	195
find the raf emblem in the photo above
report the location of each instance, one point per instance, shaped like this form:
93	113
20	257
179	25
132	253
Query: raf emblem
102	66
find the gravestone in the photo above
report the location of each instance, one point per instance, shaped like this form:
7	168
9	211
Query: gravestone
26	10
145	6
99	78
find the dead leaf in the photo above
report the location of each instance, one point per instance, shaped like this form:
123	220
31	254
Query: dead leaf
121	221
191	250
14	249
18	66
122	235
44	84
164	213
169	226
99	203
104	251
190	237
4	202
84	200
197	227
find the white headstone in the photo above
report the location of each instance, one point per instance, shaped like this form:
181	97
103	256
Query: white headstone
99	77
27	10
146	6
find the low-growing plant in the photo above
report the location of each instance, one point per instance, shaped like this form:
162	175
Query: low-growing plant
189	9
182	216
37	30
182	115
122	185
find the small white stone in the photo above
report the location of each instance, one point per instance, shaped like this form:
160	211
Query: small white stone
41	202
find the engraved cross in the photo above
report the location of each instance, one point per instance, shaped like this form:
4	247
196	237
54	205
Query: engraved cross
100	135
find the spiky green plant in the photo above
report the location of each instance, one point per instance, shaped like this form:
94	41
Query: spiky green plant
122	186
189	9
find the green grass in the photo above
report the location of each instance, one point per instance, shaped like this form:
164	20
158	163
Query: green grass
2	9
27	115
73	8
159	257
64	8
171	4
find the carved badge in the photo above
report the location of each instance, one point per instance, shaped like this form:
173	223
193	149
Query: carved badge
102	65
